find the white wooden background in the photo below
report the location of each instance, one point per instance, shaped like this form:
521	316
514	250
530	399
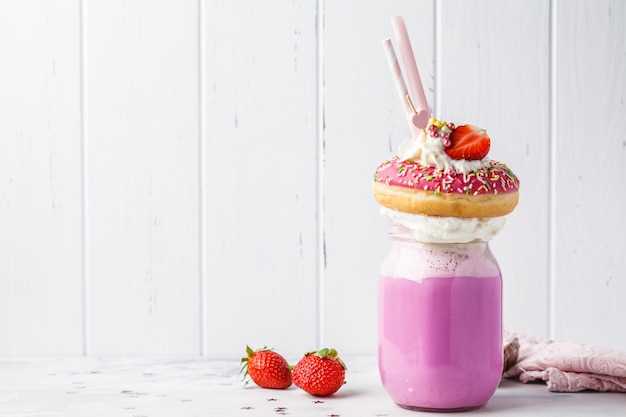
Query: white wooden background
188	177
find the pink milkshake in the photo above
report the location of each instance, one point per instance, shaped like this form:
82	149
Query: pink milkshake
440	325
440	288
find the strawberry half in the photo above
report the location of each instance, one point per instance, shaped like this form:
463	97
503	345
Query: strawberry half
320	373
266	368
468	142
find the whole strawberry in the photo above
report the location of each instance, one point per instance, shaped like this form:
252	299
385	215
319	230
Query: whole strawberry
266	368
320	373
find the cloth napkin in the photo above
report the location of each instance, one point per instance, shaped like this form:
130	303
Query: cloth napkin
567	366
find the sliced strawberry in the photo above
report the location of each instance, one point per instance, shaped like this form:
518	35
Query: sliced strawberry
468	142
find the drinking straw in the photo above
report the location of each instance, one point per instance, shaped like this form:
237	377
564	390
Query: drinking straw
398	79
416	90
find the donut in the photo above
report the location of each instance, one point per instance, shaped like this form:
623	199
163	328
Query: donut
412	187
445	171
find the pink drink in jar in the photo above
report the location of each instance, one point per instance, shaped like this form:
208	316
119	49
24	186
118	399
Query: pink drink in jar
439	324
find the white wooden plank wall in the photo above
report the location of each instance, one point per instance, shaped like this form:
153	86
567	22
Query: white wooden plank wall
141	95
589	156
41	282
260	176
188	177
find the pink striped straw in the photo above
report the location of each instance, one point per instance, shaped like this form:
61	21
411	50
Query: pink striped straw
398	79
416	90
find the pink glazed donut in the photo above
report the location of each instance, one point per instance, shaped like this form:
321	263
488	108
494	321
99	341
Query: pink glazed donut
411	187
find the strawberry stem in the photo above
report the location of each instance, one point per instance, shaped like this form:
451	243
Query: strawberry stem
322	353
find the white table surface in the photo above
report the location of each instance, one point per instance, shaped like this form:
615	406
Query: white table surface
140	387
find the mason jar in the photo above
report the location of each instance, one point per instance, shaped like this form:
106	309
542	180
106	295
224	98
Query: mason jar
439	323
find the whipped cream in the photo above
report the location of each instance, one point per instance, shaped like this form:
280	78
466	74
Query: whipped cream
430	151
434	229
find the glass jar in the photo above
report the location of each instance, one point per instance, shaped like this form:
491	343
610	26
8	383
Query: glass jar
439	323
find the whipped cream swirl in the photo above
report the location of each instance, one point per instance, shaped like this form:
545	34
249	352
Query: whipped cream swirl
434	229
430	151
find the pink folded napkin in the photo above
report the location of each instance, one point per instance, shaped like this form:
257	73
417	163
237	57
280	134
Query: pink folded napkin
568	366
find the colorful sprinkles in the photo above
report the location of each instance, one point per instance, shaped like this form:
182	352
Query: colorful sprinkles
440	129
492	179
